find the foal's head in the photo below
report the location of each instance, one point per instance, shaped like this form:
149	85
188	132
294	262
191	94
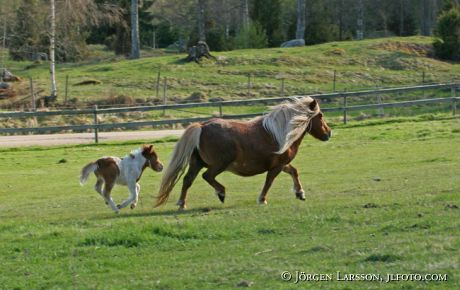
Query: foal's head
318	127
152	158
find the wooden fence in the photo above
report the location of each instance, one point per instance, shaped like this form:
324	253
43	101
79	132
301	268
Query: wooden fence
96	126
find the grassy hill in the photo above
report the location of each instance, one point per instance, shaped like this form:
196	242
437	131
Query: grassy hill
359	64
381	199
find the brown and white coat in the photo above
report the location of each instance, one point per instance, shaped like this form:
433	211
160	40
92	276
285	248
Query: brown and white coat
123	171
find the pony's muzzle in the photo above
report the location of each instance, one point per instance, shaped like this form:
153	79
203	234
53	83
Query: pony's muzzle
327	136
158	167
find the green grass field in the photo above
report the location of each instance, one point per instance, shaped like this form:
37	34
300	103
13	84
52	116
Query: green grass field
382	197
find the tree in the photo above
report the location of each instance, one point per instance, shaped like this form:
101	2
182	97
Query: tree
135	50
53	94
200	9
447	44
267	14
300	31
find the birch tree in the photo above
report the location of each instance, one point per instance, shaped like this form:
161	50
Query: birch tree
53	94
300	31
135	53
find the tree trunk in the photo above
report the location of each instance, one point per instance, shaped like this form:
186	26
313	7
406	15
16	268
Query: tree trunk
244	14
52	50
360	24
135	53
300	32
401	17
200	20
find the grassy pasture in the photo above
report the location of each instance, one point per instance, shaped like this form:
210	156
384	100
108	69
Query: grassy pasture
398	61
381	198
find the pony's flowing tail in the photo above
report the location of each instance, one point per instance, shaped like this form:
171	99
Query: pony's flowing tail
189	141
85	171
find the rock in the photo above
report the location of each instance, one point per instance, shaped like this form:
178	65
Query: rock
4	86
293	43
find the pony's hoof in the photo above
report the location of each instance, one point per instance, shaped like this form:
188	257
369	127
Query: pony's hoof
221	196
300	195
132	206
182	207
262	202
119	206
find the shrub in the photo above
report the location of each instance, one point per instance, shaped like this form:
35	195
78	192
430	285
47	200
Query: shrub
447	44
252	36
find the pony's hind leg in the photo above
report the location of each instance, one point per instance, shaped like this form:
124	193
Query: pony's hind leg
98	187
210	176
291	170
194	168
271	175
108	198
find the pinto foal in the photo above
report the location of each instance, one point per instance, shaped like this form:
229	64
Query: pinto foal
124	171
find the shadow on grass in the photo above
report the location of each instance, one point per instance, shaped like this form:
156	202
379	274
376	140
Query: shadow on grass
189	212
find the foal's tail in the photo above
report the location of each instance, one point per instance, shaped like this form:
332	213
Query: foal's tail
85	171
189	141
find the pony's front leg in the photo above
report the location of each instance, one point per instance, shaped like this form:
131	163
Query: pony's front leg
291	170
271	175
132	186
138	190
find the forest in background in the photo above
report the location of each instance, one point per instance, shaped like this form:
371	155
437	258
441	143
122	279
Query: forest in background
223	24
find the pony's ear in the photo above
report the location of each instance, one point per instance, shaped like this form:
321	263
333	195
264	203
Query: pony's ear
313	105
150	148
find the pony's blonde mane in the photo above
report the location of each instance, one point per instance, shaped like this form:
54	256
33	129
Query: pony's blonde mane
287	121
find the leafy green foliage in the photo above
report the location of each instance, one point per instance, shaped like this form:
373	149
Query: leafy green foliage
447	45
252	36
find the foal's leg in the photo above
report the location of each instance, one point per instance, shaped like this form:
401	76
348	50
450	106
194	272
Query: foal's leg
132	186
291	170
271	174
138	190
98	187
210	176
194	168
108	198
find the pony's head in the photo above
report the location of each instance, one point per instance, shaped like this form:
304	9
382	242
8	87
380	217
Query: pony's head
318	127
152	158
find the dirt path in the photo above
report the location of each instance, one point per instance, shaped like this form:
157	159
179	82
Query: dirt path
82	138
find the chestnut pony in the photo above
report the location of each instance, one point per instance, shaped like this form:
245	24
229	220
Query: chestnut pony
264	144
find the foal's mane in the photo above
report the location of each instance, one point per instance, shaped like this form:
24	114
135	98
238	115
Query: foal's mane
287	121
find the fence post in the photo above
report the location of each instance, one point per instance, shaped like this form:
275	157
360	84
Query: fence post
66	89
96	129
32	95
220	109
158	81
165	84
249	84
282	88
453	94
345	109
335	78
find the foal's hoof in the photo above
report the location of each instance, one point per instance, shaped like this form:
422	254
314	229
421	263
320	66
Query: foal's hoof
221	196
132	206
119	206
182	208
300	195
